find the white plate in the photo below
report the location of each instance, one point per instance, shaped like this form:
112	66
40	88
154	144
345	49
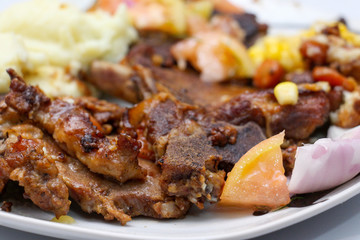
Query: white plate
208	224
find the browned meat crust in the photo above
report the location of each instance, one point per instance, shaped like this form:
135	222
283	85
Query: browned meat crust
134	198
34	159
181	139
188	163
298	121
248	135
29	157
104	112
142	83
187	87
73	128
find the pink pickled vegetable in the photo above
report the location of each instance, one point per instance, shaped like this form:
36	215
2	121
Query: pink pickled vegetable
327	163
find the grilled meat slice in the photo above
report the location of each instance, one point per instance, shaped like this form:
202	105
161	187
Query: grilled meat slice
29	157
247	136
156	117
134	198
104	112
189	165
74	130
143	82
181	146
107	114
299	121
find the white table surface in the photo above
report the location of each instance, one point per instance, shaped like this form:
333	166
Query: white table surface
341	222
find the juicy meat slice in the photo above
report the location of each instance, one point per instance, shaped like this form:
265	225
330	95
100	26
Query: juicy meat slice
143	83
74	130
181	146
298	121
103	111
189	165
29	157
134	198
187	87
155	117
248	135
115	79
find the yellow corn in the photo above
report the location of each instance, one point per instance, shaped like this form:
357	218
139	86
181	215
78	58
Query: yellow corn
64	219
284	49
350	37
286	93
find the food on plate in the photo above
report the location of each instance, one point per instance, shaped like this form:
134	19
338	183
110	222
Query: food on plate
64	219
96	147
219	112
79	134
332	161
257	180
216	55
52	41
286	93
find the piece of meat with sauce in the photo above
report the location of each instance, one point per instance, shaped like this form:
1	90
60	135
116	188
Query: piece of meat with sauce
186	85
189	165
107	114
121	201
49	175
28	157
182	141
247	136
75	130
157	116
298	121
103	111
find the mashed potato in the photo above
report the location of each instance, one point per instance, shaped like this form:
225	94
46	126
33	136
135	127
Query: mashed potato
48	34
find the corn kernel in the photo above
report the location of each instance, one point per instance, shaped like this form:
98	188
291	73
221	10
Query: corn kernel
64	219
286	93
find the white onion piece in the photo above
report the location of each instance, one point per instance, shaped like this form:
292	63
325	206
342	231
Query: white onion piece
327	163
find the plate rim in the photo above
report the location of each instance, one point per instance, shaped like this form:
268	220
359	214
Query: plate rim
52	229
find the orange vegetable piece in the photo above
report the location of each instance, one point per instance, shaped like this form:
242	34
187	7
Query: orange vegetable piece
333	77
257	179
268	74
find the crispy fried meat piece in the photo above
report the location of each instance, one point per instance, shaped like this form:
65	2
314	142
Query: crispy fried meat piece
29	156
299	121
134	198
74	130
